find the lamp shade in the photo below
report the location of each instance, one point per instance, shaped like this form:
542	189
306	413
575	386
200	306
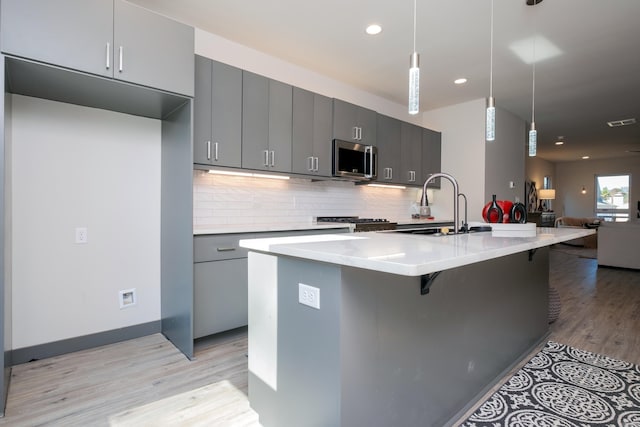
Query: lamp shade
547	194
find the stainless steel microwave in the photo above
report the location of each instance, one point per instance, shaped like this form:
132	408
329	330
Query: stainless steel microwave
354	161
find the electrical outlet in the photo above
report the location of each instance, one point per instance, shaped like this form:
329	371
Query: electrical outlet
308	295
127	298
81	235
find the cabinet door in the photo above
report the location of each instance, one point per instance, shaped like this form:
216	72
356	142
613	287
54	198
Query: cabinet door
226	118
388	143
345	117
302	132
152	50
322	131
367	122
280	116
431	155
411	153
75	34
312	131
220	296
202	116
255	121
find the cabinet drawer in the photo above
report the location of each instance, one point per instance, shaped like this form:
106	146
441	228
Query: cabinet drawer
218	247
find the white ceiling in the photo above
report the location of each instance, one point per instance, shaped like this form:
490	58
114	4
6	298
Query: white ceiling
594	79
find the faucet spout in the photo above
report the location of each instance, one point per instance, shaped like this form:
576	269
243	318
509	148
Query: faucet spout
456	210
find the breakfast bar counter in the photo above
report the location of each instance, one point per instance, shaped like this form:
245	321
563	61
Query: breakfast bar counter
386	328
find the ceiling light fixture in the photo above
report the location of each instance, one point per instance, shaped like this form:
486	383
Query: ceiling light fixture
618	123
373	29
585	157
490	134
414	71
460	81
560	140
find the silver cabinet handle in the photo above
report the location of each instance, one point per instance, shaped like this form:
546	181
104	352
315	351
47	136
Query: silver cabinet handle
354	133
208	150
310	164
225	249
266	157
272	163
215	151
359	134
368	149
120	56
108	61
317	165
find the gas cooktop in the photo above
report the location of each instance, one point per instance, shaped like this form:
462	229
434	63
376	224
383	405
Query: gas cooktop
359	224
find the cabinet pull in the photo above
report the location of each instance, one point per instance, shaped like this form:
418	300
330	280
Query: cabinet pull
317	164
225	249
108	58
354	133
272	163
359	134
215	151
310	164
120	56
368	150
208	150
266	157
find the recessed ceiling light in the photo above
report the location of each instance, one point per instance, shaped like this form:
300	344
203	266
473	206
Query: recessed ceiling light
460	81
374	29
560	140
585	157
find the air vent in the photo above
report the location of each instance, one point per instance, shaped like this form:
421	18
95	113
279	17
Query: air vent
618	123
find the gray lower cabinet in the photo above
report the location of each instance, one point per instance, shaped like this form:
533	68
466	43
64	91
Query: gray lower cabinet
220	279
431	155
266	123
354	123
311	134
111	38
217	120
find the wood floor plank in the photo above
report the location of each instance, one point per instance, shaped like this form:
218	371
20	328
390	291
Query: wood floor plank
147	382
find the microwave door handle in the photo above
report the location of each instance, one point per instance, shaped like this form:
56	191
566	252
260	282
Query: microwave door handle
368	149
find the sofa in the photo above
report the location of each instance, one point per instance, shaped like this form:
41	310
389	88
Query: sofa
584	222
618	244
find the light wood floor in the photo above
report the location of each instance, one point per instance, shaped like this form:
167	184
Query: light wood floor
147	382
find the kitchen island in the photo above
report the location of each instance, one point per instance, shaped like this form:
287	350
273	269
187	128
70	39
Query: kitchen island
395	329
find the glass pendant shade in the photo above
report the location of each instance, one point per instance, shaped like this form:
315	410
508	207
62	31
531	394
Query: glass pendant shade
414	83
491	120
533	140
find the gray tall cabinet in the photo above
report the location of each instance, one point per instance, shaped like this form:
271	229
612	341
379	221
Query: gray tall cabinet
112	55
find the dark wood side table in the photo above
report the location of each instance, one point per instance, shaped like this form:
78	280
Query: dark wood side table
542	219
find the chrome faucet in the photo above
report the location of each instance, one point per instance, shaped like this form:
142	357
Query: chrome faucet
456	195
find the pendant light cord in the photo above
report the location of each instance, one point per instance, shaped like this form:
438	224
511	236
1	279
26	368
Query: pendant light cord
533	97
415	9
491	56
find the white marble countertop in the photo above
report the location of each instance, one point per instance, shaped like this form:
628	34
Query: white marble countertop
289	226
408	254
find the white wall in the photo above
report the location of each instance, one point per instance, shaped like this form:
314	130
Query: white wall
572	176
75	166
463	155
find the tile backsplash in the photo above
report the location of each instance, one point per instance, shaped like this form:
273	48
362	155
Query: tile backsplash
222	200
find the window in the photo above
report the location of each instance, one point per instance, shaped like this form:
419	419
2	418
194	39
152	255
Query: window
612	197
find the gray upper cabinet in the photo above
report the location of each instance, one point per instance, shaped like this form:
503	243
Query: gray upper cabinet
110	38
217	118
354	123
388	144
266	123
411	153
431	155
311	135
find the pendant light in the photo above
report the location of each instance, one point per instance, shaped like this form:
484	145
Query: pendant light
533	134
414	71
491	102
